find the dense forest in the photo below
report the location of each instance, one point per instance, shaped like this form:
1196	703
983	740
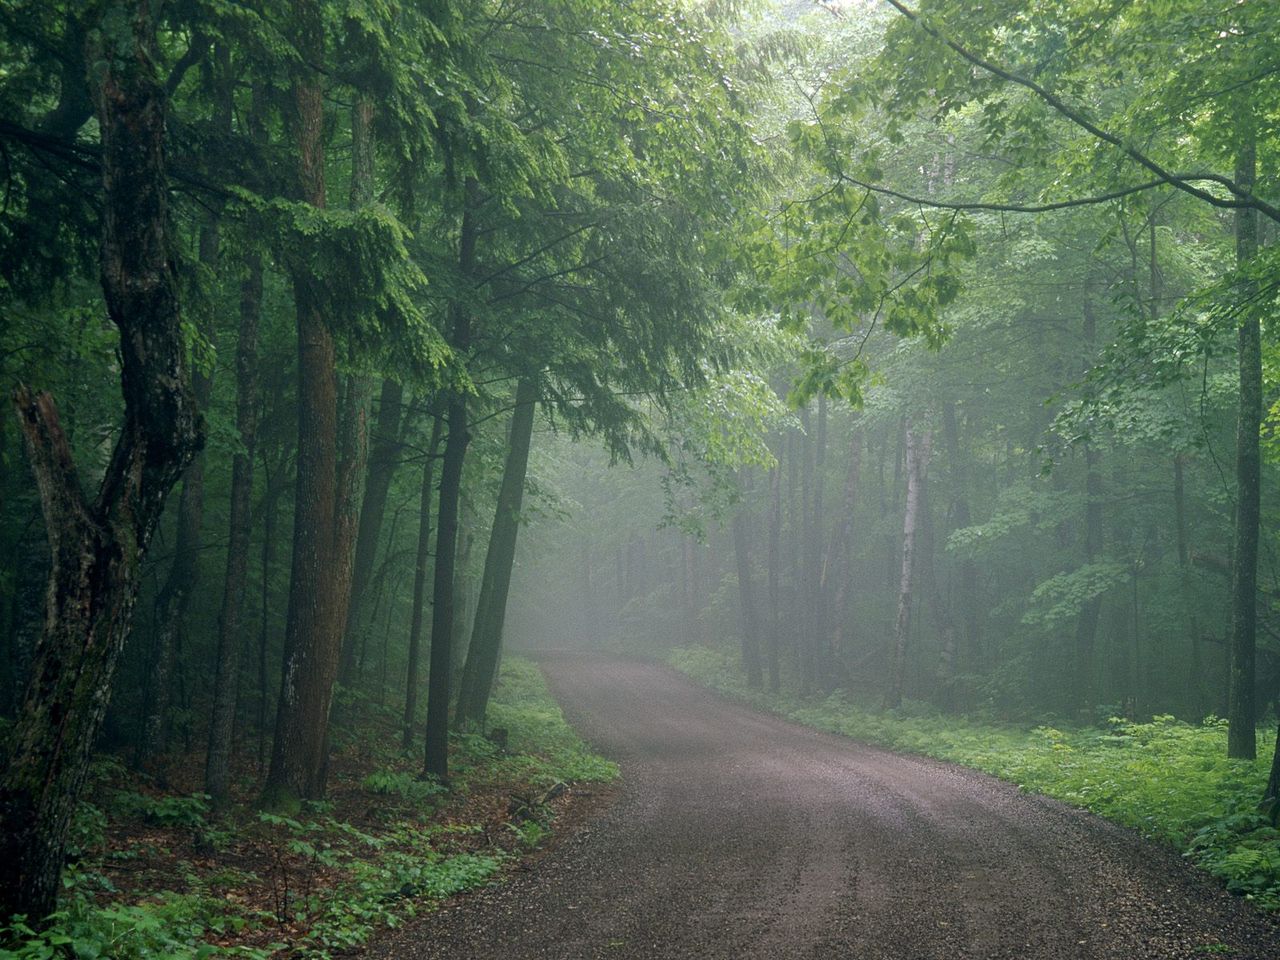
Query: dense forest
913	354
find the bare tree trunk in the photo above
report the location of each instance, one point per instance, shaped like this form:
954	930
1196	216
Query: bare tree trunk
98	547
481	668
227	669
422	561
917	448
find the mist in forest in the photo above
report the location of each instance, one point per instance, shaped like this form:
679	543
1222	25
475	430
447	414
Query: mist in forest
904	369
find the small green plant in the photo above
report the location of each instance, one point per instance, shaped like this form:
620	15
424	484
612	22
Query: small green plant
397	783
166	811
173	926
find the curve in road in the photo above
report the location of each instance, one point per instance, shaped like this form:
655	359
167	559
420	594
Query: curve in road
739	835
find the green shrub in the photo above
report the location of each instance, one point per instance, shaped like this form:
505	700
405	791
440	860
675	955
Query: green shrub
398	783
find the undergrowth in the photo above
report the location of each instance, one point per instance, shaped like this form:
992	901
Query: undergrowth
321	885
1168	779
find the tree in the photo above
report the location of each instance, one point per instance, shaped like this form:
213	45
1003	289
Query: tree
98	546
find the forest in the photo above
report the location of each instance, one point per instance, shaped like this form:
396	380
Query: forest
380	375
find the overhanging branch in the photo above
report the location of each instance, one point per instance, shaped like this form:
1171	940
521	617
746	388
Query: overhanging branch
1244	199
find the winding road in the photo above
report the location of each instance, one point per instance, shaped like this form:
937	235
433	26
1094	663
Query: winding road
739	835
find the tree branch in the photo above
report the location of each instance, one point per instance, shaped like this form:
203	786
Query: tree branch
1003	207
1183	182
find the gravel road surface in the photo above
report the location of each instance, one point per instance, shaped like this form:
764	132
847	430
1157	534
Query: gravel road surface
738	835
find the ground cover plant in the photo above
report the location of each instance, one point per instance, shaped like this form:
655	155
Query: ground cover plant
1167	778
159	873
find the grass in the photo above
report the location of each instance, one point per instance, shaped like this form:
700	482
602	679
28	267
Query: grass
156	874
1168	779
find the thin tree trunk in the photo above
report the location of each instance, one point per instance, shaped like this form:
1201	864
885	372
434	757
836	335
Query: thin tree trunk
746	591
436	754
481	667
268	508
97	547
422	560
836	571
808	569
384	458
970	602
916	454
1241	713
775	560
227	668
1087	622
818	635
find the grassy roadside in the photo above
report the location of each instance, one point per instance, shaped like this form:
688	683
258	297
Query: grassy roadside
157	874
1170	780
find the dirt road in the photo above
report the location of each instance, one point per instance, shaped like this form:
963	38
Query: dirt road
741	836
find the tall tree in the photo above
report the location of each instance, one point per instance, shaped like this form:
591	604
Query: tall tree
421	565
312	634
481	668
98	546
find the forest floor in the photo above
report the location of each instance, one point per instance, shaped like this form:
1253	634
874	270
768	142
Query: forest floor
157	874
737	834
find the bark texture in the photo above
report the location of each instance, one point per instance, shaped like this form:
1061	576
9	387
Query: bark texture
97	546
313	628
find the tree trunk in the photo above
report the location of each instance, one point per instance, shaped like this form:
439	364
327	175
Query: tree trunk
808	569
312	630
970	602
1087	622
97	547
775	559
174	599
385	454
818	637
1241	714
422	560
384	458
436	754
481	669
227	669
916	455
746	592
836	571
